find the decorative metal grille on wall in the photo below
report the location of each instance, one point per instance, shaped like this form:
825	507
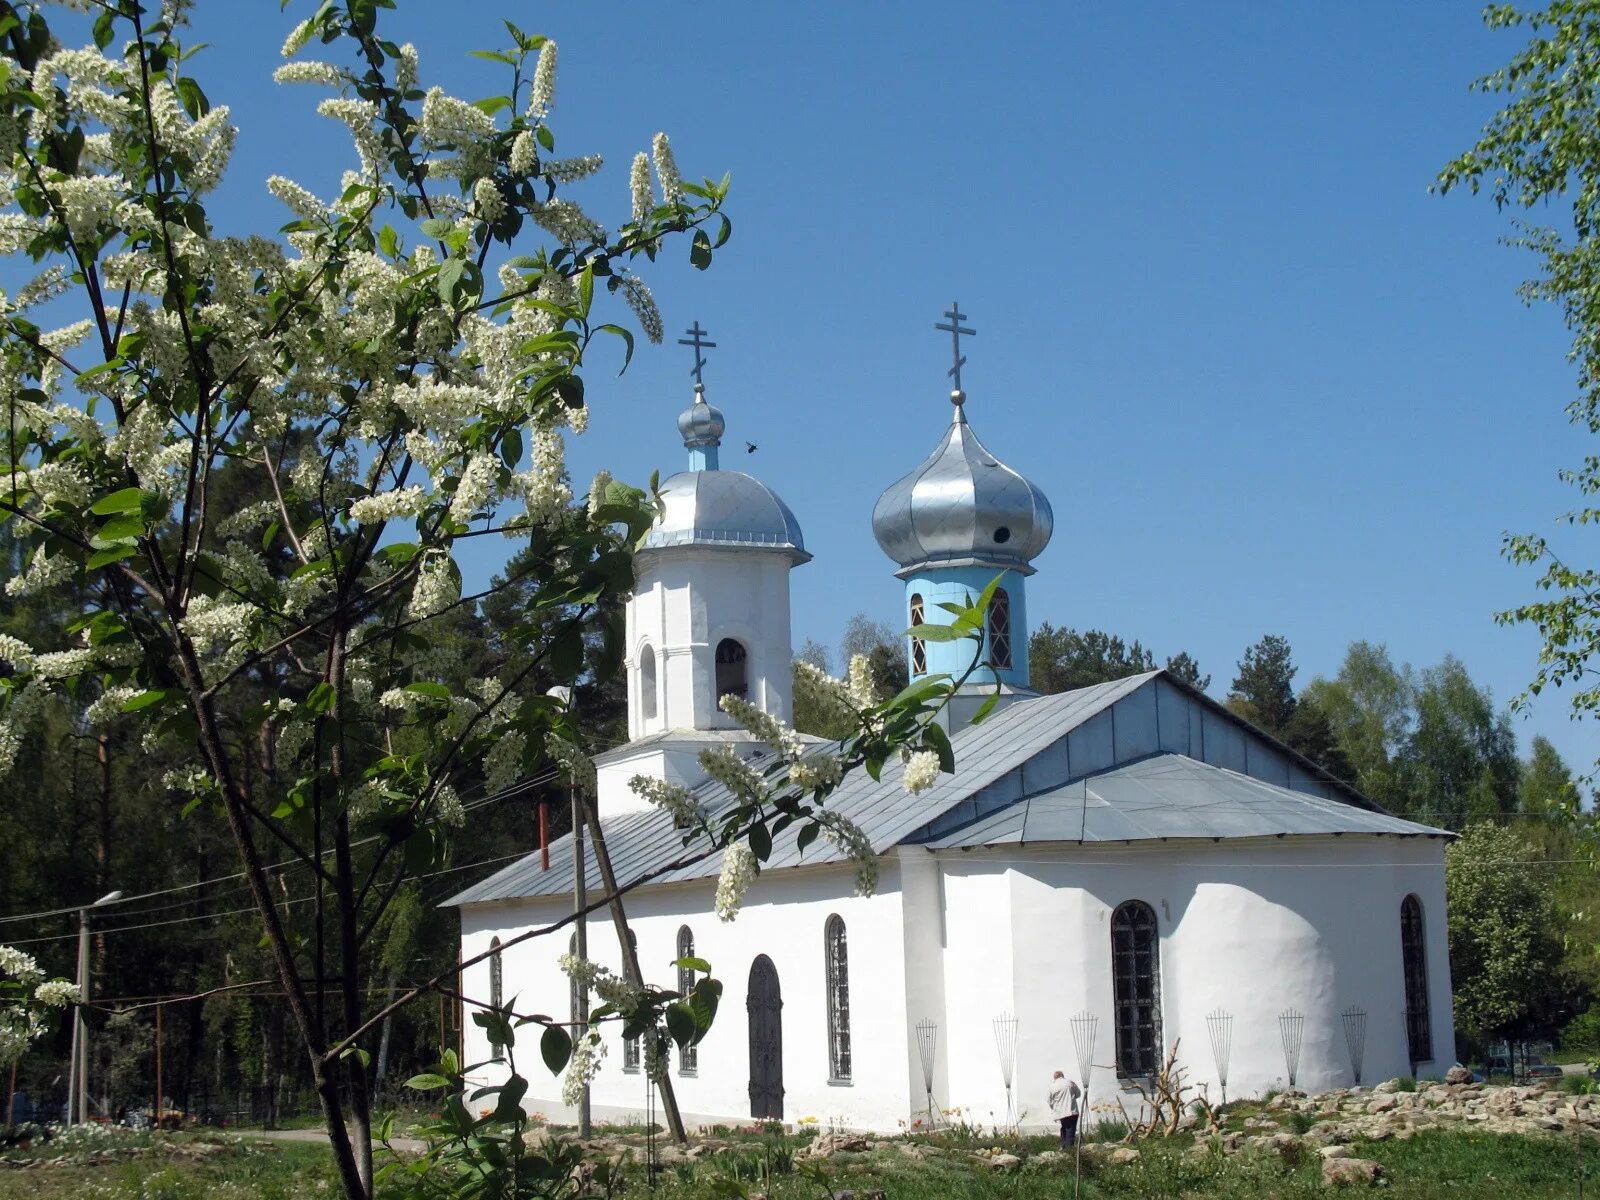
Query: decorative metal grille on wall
1000	631
688	1056
632	1048
919	651
1413	950
838	964
1136	981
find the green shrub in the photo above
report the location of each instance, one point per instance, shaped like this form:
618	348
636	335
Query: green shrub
1583	1032
1405	1084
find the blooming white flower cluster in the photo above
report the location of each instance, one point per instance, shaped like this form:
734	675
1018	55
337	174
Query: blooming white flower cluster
542	98
598	490
107	706
581	971
577	766
849	837
637	294
678	802
387	506
666	169
22	1020
436	589
816	771
725	766
644	201
16	654
581	1068
863	691
622	994
761	724
921	771
502	766
739	870
43	574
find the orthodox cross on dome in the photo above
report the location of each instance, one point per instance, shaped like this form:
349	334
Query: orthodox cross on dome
696	339
955	329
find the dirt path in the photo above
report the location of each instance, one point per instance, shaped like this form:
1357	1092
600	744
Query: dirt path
409	1145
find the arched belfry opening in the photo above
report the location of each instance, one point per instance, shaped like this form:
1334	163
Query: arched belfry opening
733	669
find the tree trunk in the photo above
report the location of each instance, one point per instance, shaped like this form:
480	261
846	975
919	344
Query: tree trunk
630	958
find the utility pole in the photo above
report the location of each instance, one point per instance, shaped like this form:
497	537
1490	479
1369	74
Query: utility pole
580	901
78	1070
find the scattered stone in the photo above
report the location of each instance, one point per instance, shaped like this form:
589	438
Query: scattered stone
1123	1155
1335	1152
1351	1172
1458	1075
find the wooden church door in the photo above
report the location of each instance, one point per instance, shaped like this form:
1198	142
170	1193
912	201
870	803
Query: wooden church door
765	1006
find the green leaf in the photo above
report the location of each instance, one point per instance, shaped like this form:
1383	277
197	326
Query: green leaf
555	1045
321	698
427	1082
627	337
936	633
434	691
111	554
194	100
760	842
935	738
807	836
449	279
700	250
681	1024
511	448
389	241
148	699
986	707
692	964
724	234
126	501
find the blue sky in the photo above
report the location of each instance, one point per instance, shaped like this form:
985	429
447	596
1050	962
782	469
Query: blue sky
1268	381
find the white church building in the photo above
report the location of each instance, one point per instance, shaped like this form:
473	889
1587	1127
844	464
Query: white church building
1110	872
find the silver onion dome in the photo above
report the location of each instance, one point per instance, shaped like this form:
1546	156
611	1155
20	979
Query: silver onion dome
705	506
701	424
962	507
726	509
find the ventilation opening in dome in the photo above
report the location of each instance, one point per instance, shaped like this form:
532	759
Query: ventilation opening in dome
1002	535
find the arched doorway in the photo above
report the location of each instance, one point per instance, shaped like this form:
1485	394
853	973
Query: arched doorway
764	1003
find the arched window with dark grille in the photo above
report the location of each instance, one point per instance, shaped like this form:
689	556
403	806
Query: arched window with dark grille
733	669
632	1047
999	618
1136	988
919	649
1413	952
647	684
688	1056
836	957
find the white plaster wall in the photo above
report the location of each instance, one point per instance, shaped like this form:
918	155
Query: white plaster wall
1254	928
783	917
685	601
1251	927
979	979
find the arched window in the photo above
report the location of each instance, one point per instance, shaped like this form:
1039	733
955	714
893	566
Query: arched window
631	1047
1413	952
688	1056
733	674
837	960
919	650
1000	630
1136	988
647	684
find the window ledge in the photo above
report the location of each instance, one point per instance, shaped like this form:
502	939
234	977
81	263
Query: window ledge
688	1073
832	1082
630	1070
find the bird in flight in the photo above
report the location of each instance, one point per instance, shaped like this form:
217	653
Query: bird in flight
749	447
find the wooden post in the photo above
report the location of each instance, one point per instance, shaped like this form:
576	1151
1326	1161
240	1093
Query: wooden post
544	835
630	958
160	1107
580	940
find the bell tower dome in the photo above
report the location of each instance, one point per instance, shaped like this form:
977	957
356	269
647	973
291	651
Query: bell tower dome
709	613
951	526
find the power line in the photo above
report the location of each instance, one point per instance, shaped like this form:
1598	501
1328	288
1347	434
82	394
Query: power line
514	790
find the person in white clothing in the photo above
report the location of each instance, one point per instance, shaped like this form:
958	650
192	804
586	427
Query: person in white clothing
1064	1095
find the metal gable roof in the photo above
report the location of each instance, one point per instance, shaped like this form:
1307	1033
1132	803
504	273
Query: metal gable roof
1180	797
1172	796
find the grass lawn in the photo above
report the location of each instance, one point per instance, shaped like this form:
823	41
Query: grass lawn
1434	1165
